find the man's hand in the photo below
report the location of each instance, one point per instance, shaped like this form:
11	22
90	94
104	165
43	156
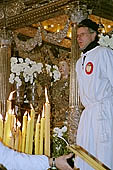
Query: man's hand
61	162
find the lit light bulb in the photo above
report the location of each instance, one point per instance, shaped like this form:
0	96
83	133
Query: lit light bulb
45	27
109	26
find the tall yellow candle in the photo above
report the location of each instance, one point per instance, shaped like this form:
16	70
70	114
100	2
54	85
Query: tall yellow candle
12	120
20	141
9	103
11	140
32	111
47	126
12	130
31	133
17	136
7	128
42	128
1	128
37	136
24	128
4	131
16	140
28	135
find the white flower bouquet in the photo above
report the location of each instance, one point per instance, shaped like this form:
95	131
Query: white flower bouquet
26	70
106	41
59	141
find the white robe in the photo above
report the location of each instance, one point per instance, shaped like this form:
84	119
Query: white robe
13	160
95	131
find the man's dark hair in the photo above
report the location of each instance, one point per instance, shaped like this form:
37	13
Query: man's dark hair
92	26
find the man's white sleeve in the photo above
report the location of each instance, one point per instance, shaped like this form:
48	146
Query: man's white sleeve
13	160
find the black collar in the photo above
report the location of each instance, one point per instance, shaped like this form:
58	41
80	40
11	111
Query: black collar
90	46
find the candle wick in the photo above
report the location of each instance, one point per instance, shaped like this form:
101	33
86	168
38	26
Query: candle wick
63	140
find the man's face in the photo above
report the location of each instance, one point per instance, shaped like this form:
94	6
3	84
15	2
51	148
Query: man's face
84	37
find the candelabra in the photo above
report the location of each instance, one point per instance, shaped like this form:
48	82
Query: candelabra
5	53
74	99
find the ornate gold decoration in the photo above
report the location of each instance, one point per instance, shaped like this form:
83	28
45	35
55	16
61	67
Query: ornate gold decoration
39	12
5	53
74	103
55	38
29	44
60	101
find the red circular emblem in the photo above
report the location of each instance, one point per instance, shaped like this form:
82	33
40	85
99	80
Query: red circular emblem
89	68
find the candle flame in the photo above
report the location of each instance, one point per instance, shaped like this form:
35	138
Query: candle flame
1	117
38	120
25	114
11	95
18	124
31	106
29	118
10	134
47	100
15	123
43	111
12	112
6	117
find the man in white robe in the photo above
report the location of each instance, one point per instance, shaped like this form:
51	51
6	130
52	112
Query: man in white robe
95	78
14	160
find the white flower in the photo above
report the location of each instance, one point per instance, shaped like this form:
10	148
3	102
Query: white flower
31	79
20	60
11	78
55	67
35	75
56	75
48	68
56	130
54	135
106	41
28	70
64	129
18	81
60	134
26	78
60	131
32	62
39	67
66	84
13	60
27	60
111	42
58	147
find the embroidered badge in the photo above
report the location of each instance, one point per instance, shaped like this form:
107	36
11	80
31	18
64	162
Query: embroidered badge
89	68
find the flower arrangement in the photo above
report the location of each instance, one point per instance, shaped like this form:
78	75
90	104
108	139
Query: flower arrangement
106	41
26	70
59	141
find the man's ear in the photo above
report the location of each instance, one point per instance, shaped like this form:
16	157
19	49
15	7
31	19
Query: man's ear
93	36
